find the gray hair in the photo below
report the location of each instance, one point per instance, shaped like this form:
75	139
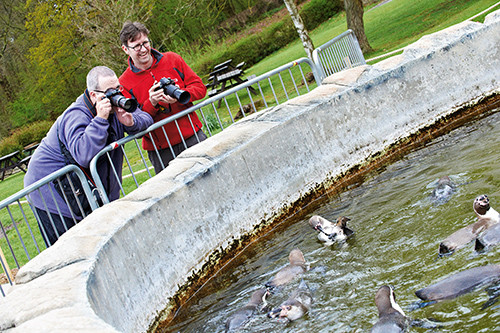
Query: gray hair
95	74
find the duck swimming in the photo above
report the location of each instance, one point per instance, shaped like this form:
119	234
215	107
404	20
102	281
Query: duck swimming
297	305
486	217
297	265
330	232
243	315
391	316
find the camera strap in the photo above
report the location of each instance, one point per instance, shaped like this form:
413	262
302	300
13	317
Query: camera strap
88	103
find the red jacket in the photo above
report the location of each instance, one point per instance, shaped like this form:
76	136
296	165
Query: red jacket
136	83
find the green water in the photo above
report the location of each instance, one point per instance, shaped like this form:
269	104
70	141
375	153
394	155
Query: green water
398	231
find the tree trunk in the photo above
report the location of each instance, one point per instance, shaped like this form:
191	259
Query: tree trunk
354	18
301	29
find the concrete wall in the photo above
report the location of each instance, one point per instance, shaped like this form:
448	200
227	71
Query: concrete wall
118	269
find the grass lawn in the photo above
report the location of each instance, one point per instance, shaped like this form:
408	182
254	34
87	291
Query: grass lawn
387	27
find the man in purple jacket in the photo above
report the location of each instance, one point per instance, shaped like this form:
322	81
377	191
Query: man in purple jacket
85	128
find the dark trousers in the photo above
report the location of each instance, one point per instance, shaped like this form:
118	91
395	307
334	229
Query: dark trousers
47	228
166	154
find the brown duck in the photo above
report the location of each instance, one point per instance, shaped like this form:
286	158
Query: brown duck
297	265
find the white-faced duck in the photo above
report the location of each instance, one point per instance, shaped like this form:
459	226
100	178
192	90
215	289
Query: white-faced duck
486	217
296	306
329	232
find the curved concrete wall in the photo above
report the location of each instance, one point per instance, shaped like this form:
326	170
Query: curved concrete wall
118	269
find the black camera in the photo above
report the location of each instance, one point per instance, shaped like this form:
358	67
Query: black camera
117	99
170	89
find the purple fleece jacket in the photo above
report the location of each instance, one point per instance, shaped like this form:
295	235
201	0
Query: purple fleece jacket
84	136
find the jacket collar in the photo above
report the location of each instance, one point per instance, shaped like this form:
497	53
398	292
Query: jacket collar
156	58
88	103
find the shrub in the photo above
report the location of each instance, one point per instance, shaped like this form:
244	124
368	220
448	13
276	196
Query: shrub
318	11
9	145
24	136
26	110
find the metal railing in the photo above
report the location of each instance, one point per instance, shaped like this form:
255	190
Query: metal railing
257	93
269	89
19	228
338	54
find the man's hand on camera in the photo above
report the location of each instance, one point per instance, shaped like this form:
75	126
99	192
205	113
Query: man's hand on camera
124	117
103	108
158	95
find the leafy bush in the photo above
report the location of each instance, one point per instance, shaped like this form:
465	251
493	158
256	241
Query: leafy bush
318	11
24	136
26	111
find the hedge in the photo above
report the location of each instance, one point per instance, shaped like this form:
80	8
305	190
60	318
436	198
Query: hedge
24	136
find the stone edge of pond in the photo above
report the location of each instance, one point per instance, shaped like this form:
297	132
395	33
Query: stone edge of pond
121	267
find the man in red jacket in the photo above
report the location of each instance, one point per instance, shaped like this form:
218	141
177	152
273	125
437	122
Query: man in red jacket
141	80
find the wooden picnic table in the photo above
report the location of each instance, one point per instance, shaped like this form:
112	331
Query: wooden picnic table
16	160
9	162
30	149
226	76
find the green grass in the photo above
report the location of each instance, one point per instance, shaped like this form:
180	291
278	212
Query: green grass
388	27
11	184
26	234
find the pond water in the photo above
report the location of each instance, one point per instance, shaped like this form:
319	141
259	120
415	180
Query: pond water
397	233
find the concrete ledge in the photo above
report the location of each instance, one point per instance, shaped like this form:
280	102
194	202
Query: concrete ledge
118	269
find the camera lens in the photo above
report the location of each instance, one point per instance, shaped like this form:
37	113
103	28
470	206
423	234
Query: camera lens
181	95
117	99
170	89
127	104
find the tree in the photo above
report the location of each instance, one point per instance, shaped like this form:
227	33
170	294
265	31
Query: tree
52	27
354	18
69	37
100	23
301	29
14	67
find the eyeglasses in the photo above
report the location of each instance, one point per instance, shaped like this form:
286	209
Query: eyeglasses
138	47
119	88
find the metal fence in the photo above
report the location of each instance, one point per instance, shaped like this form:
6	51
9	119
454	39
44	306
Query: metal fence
340	53
20	232
19	226
216	113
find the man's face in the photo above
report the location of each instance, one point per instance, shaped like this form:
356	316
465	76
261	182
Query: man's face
139	50
105	83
